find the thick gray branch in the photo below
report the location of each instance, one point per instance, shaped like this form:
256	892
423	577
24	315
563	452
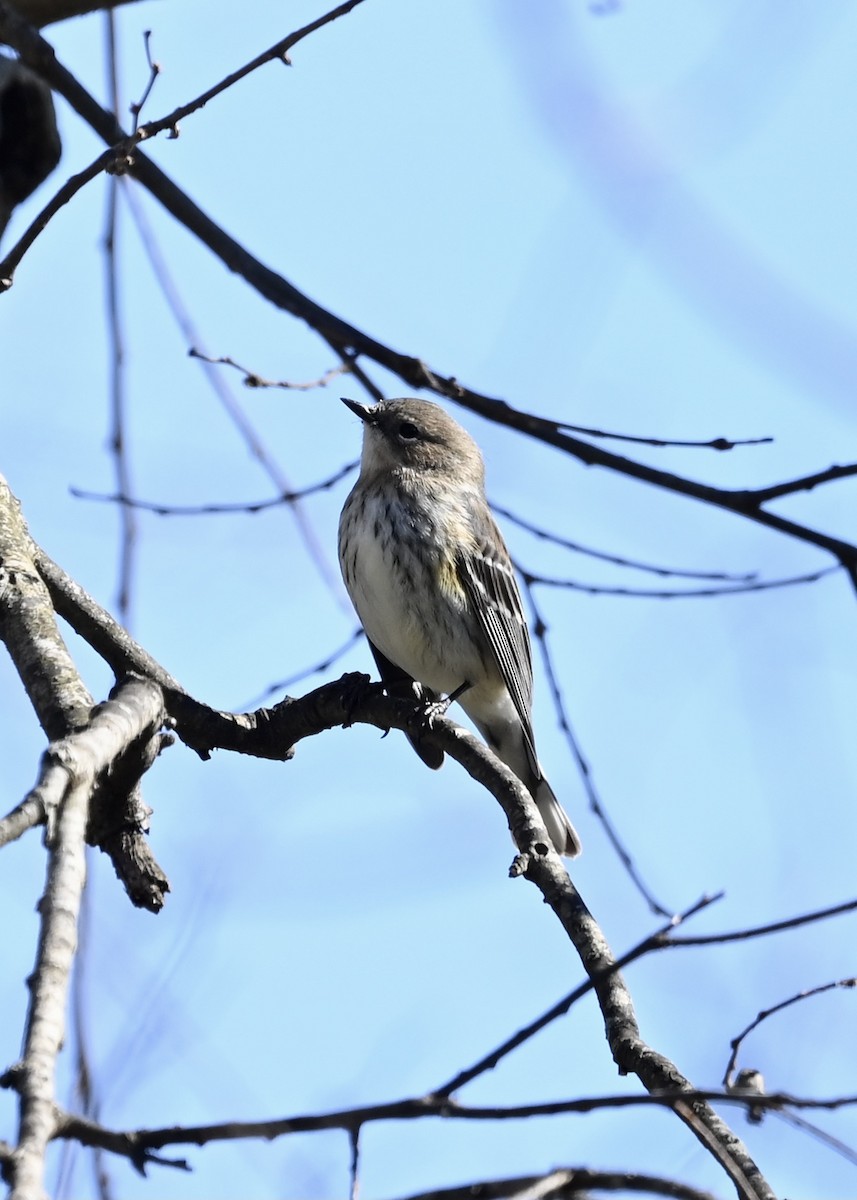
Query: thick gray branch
68	776
62	703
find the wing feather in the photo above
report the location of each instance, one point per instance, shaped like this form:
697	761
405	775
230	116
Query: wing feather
492	588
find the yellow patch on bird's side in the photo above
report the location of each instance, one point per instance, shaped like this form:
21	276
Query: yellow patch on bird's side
450	580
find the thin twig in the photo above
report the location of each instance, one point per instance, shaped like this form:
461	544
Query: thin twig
70	770
197	510
234	411
121	154
769	1012
540	631
154	71
761	585
558	540
718	443
253	380
319	668
653	941
570	1183
136	1144
740	935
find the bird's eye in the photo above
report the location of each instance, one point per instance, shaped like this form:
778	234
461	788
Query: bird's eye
408	432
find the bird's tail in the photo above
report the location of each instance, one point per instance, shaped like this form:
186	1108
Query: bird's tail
562	832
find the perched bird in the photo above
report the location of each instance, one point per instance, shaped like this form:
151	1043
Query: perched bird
430	576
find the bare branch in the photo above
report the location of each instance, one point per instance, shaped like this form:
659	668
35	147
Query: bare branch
15	31
136	1144
253	380
760	585
557	540
70	769
654	941
769	1012
567	1183
739	935
804	484
316	669
718	443
154	71
63	704
197	510
540	633
254	442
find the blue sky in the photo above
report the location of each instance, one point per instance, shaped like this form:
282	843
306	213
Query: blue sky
639	219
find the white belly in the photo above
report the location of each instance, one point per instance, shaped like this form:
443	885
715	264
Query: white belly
422	629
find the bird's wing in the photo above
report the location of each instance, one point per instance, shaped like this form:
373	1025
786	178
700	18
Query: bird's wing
490	583
398	683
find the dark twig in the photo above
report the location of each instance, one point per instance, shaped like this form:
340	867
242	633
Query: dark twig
762	585
804	483
137	1144
557	540
769	1012
234	411
16	32
662	939
718	443
540	633
740	935
253	380
154	71
653	941
40	222
570	1183
279	52
118	404
318	668
196	510
354	1164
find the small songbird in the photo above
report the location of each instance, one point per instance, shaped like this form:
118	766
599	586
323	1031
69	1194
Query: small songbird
430	576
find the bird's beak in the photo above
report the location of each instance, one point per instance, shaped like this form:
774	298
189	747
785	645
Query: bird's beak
361	410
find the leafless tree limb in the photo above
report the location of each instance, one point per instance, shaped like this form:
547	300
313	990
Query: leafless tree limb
567	1183
769	1012
556	539
70	769
136	1144
540	631
653	941
253	380
62	704
196	510
738	589
739	935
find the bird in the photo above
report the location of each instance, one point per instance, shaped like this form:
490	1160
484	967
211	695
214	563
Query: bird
429	574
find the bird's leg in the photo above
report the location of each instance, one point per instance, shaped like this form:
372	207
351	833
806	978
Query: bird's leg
437	708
